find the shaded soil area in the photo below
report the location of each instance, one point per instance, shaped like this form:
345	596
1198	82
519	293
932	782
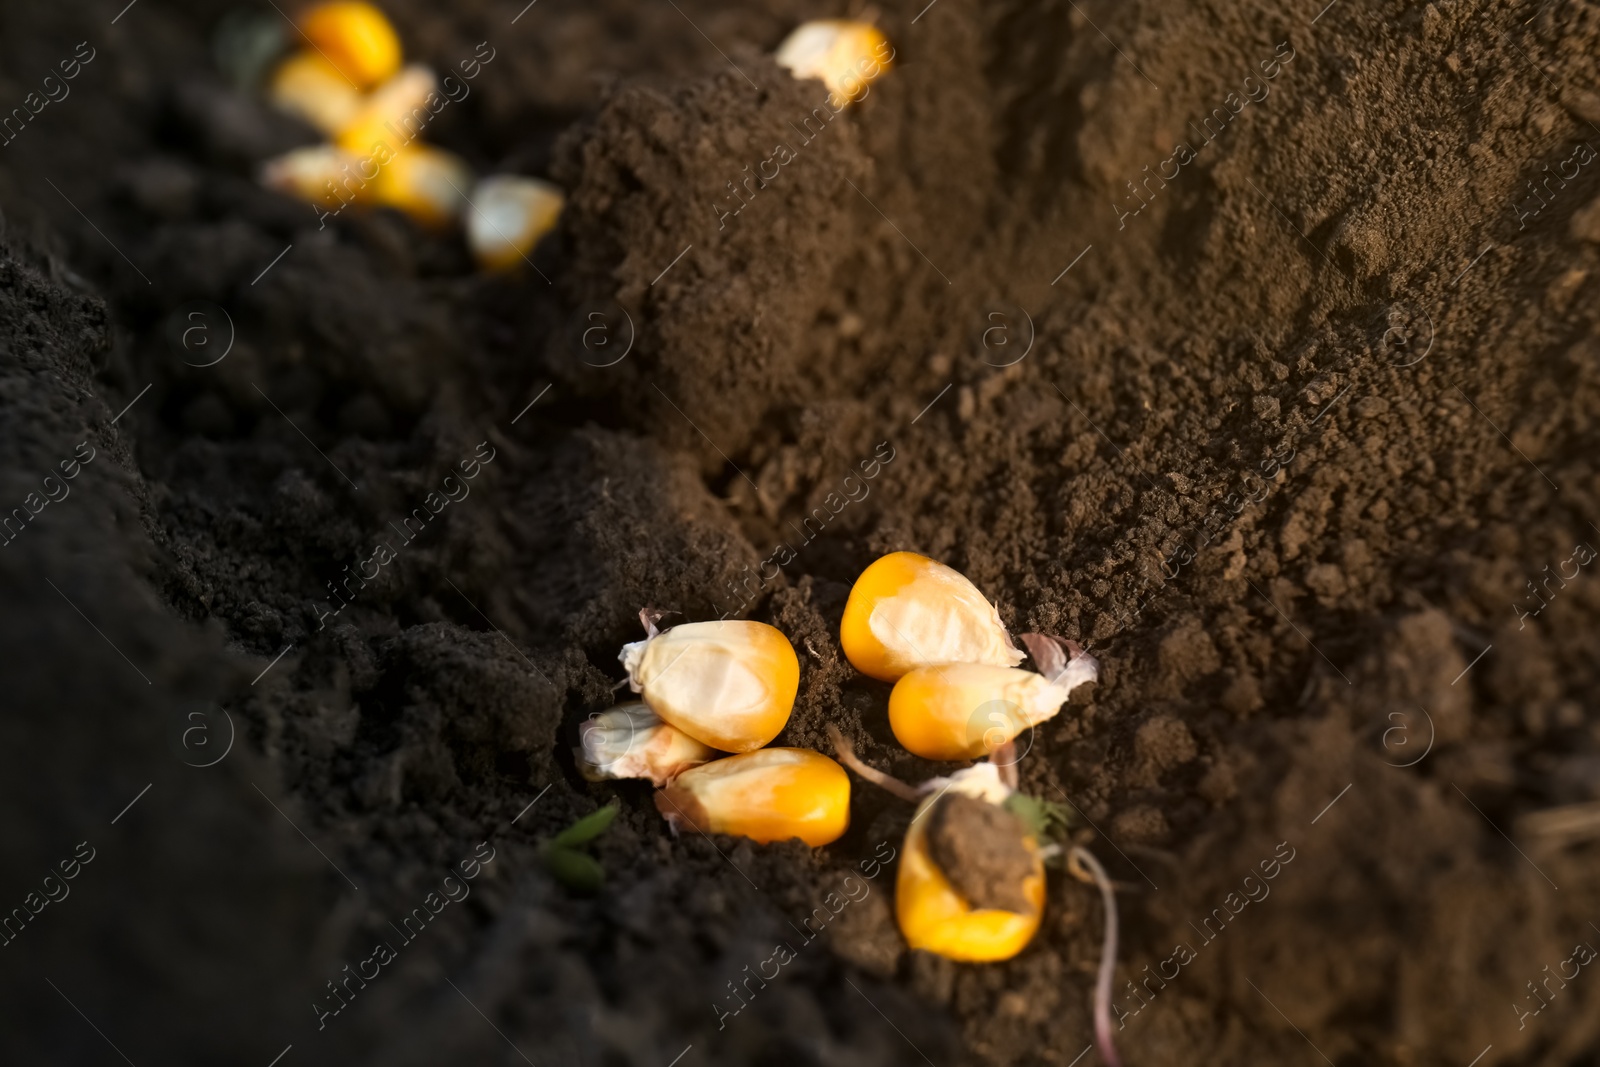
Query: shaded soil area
1256	348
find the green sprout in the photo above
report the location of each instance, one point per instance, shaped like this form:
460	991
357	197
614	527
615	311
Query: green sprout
1045	819
562	855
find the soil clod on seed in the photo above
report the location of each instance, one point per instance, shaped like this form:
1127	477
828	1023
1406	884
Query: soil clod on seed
980	847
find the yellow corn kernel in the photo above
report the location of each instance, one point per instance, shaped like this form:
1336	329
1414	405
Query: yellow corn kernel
845	55
771	794
429	184
310	87
356	38
508	216
393	115
322	174
907	611
934	917
631	741
729	684
957	711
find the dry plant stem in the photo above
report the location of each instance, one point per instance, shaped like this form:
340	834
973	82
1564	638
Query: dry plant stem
846	754
1083	865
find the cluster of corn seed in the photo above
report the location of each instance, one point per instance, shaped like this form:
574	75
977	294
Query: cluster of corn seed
717	687
710	688
958	694
349	84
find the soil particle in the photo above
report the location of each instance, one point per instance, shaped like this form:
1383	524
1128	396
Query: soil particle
1243	694
1141	824
1163	743
980	848
866	935
1185	655
1414	668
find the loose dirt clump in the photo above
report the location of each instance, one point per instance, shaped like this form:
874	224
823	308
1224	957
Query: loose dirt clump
979	847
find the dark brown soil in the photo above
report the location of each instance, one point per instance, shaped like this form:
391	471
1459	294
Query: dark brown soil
979	848
1290	419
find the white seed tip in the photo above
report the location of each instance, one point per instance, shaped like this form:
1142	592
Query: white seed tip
632	656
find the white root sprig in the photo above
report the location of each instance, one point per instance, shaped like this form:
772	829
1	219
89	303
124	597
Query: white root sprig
1084	867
